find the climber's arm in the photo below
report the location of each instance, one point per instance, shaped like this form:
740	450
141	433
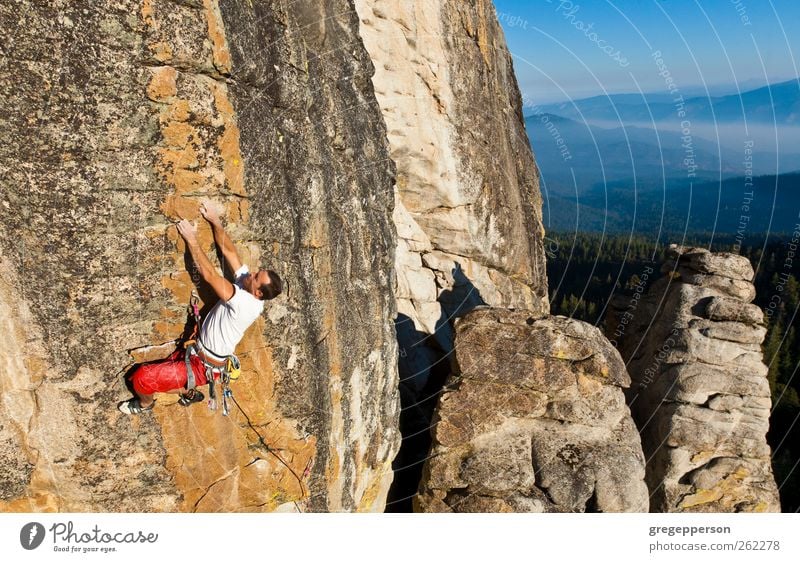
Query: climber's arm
221	238
222	287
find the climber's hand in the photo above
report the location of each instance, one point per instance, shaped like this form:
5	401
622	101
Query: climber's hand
210	211
188	231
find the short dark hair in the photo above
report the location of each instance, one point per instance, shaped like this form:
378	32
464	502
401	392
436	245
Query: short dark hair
273	289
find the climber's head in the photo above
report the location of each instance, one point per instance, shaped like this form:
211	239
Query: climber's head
264	284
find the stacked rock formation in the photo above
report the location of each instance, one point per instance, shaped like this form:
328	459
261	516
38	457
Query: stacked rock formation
534	420
700	396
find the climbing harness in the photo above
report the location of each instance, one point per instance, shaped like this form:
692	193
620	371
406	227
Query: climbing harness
225	369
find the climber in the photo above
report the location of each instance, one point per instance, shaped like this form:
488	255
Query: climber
239	304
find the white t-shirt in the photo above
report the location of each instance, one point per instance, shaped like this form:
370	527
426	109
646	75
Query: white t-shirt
225	325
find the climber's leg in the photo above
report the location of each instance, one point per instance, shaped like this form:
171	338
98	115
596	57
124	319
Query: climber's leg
167	376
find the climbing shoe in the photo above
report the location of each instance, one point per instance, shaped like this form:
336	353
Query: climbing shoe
133	406
191	397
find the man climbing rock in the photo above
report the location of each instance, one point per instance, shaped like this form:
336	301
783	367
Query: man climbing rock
240	303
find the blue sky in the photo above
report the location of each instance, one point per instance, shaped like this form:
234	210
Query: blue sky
573	49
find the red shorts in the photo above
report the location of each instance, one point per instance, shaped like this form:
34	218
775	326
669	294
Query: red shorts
167	374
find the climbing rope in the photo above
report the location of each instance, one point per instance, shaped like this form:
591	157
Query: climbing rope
194	311
270	451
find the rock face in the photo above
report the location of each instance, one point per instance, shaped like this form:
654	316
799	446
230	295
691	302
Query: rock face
700	396
467	188
467	202
118	119
534	420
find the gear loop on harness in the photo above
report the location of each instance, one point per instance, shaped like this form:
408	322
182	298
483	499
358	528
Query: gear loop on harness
190	380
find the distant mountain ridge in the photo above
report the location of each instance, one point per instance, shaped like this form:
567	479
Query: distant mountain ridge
775	103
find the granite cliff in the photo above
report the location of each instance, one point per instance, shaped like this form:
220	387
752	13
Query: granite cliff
119	118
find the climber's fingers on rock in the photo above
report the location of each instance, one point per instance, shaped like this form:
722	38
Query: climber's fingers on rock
210	210
187	230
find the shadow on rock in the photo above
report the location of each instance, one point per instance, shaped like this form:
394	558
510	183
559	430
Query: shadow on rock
424	363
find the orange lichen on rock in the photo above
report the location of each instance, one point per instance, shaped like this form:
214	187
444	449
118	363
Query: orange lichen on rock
163	84
216	31
161	50
147	13
373	494
177	168
483	36
177	207
178	111
728	491
228	142
244	210
37	502
479	30
178	134
180	285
